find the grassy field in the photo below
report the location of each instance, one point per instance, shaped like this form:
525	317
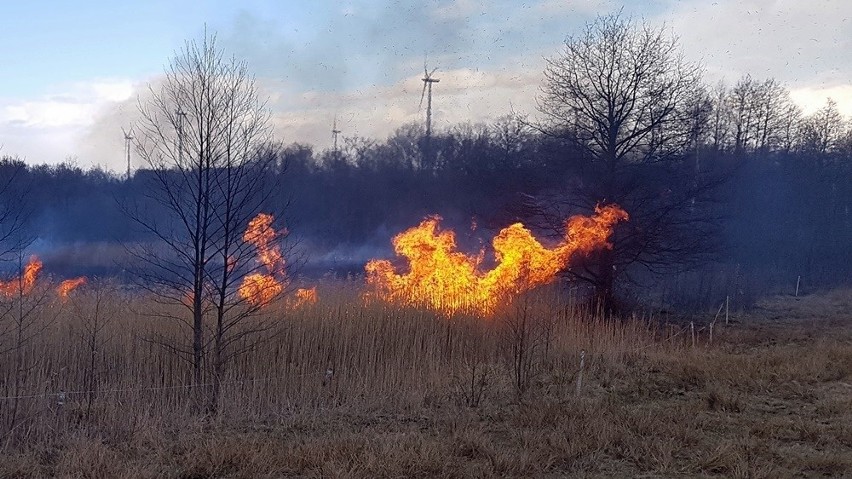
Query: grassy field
351	390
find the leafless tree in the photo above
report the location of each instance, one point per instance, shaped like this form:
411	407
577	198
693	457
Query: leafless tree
22	304
630	110
94	307
14	210
822	130
205	136
762	115
509	133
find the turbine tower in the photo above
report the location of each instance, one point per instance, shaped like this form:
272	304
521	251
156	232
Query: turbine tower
180	117
128	136
334	133
428	80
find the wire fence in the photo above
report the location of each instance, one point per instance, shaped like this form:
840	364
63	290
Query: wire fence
65	394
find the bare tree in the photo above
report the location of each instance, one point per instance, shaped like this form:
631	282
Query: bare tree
205	136
823	129
94	308
741	103
629	110
21	299
761	114
22	304
14	210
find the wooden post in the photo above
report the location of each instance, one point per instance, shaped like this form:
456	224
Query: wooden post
727	302
580	374
692	331
798	279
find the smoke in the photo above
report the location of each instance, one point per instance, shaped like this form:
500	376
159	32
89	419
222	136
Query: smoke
362	63
102	143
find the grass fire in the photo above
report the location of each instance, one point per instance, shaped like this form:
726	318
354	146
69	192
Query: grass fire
443	279
294	253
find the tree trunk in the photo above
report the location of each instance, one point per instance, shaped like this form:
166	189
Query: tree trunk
197	345
604	296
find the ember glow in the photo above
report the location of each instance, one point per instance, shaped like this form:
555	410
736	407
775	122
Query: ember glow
25	283
69	285
261	288
446	280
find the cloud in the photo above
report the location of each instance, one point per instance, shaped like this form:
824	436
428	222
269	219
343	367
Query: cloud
375	111
805	45
47	129
813	98
800	43
462	95
73	106
574	6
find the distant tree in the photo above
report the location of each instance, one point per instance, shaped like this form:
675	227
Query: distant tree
628	109
205	136
511	135
823	130
407	143
762	115
14	211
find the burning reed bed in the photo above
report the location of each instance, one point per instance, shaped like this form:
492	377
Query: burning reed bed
92	353
344	388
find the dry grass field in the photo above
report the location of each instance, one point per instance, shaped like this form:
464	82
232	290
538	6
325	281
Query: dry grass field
350	390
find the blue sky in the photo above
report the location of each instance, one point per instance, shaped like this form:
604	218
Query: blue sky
73	71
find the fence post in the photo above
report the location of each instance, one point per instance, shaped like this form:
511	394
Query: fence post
580	374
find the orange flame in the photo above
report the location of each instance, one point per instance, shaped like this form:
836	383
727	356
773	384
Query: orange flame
443	279
262	288
262	235
304	297
69	285
25	283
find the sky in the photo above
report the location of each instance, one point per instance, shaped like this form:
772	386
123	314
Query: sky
74	72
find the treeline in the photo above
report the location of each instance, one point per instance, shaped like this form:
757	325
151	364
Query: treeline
731	182
786	207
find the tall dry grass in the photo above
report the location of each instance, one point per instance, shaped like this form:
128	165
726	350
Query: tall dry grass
348	389
92	366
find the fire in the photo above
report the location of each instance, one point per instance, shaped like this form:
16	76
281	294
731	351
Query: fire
443	279
305	296
25	283
261	234
261	288
69	285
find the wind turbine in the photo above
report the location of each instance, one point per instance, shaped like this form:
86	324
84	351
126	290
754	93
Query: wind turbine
428	80
334	133
128	137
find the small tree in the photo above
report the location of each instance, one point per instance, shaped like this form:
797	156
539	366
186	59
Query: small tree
94	308
205	136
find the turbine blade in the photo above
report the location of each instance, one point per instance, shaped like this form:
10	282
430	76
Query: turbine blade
422	93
